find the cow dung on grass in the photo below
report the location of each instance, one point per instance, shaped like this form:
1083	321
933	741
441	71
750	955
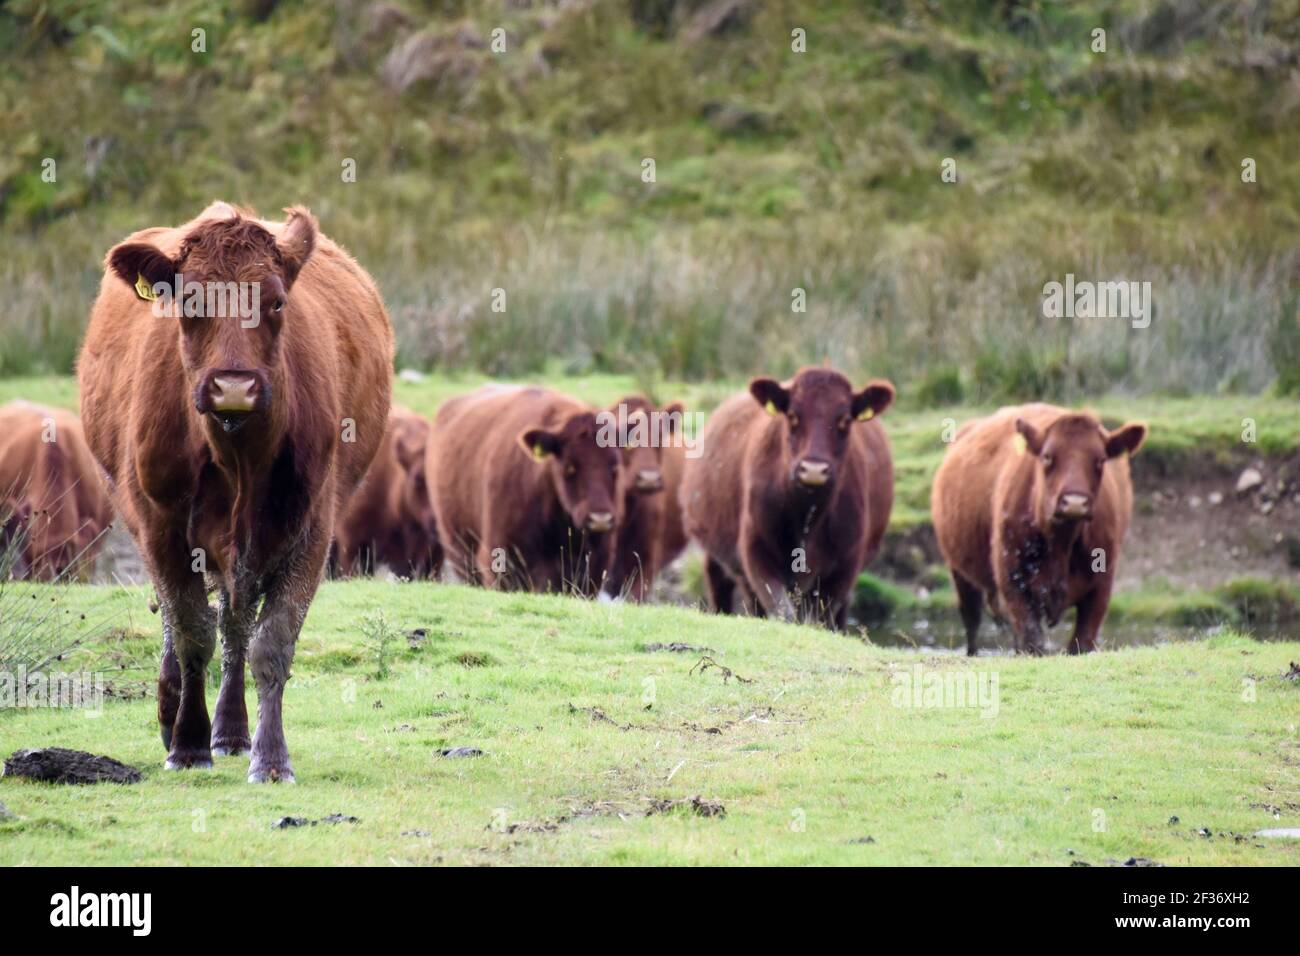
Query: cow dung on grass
58	765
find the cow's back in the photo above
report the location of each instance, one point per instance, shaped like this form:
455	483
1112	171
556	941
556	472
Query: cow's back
712	492
476	467
672	539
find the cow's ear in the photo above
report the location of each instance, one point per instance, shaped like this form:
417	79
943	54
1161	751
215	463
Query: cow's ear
135	261
674	418
1032	436
540	443
296	242
875	397
1127	438
769	393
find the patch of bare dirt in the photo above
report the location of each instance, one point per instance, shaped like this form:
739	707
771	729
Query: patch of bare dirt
1199	531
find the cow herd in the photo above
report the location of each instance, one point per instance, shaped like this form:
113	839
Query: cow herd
249	450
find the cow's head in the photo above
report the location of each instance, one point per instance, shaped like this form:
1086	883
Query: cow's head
818	410
229	348
1071	458
642	446
584	471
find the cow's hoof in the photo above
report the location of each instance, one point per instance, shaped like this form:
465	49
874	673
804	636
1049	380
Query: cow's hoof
231	745
273	775
189	760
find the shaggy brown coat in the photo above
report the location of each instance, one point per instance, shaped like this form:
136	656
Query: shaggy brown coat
792	494
1030	508
231	445
525	496
51	496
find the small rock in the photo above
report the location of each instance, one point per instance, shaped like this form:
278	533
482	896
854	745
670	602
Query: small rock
1250	478
1280	833
1173	820
1205	832
58	765
1194	501
862	841
461	752
1266	508
1215	497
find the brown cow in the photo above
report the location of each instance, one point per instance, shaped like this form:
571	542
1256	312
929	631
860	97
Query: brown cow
51	497
672	537
232	437
1030	507
645	446
390	518
792	493
525	495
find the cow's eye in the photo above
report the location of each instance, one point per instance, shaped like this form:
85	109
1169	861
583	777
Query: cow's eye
845	422
1048	462
277	306
794	420
570	470
1100	463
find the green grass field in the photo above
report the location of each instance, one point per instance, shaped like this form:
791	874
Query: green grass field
583	729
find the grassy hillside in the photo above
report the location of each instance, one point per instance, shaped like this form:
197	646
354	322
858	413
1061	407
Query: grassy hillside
775	170
593	744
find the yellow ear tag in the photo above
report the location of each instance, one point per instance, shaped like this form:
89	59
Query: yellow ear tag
539	452
1020	444
866	414
771	409
143	289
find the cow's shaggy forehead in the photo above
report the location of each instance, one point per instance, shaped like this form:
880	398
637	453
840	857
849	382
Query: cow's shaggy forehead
1075	430
820	383
234	249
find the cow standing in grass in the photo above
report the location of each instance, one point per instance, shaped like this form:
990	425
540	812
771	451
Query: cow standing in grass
1030	508
231	439
389	520
525	494
51	498
792	493
645	446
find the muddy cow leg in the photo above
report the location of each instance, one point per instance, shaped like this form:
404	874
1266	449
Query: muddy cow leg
169	684
971	601
766	585
189	637
1089	613
230	721
189	627
721	586
270	655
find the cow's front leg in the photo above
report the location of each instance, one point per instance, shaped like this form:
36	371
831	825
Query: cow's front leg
189	636
230	722
187	650
270	657
1089	613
